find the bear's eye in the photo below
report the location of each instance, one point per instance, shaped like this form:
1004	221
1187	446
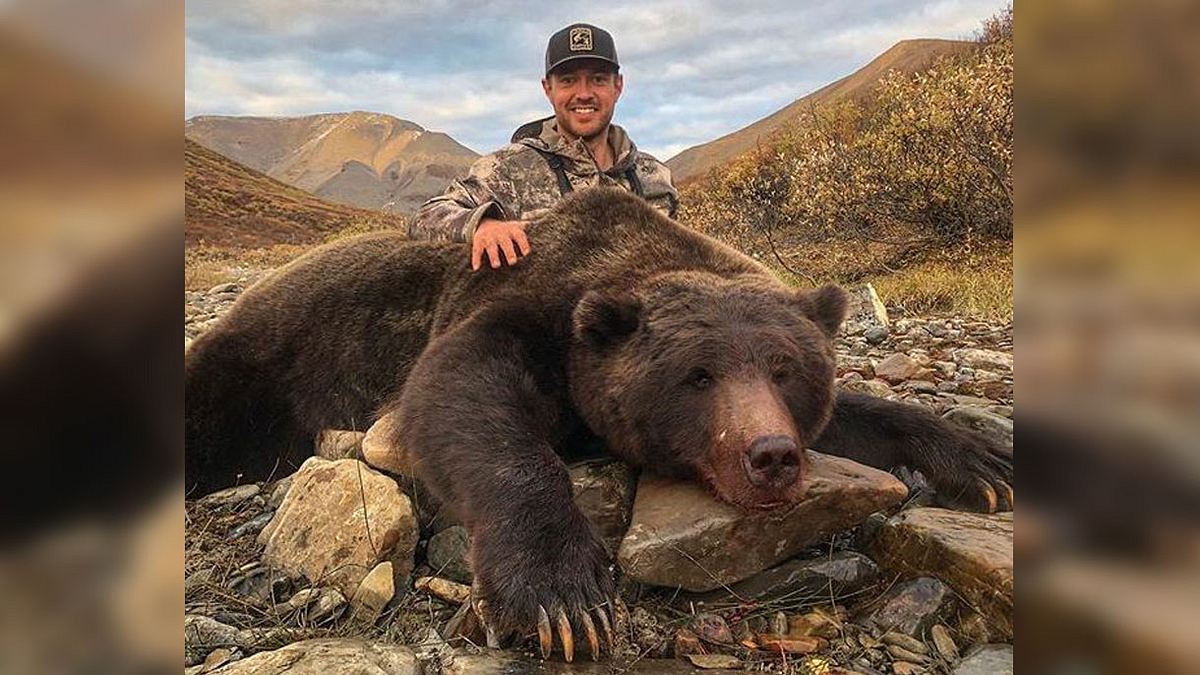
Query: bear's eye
699	378
782	374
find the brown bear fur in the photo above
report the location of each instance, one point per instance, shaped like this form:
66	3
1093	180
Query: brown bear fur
683	355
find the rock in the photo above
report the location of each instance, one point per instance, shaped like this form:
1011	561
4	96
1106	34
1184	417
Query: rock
252	526
970	552
920	387
229	496
983	358
202	634
681	536
816	624
219	657
278	492
987	660
912	607
375	591
989	424
905	642
319	605
944	643
329	656
262	583
497	662
604	492
782	644
712	628
902	654
321	529
379	452
874	387
686	642
876	334
337	444
711	661
906	668
447	554
897	368
866	309
229	287
856	364
443	589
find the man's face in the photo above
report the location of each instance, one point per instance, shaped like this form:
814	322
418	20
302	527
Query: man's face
584	96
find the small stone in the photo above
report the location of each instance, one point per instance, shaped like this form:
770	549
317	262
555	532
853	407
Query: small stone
375	591
875	387
229	496
912	606
987	660
779	623
906	642
906	668
815	623
444	589
897	368
447	554
902	654
379	450
603	491
220	656
876	334
781	644
984	358
278	492
711	661
338	444
944	643
228	287
262	583
712	628
252	526
920	387
202	634
686	642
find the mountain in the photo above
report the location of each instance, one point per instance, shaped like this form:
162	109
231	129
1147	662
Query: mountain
908	56
359	158
227	204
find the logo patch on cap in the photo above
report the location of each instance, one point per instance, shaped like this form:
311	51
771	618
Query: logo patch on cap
581	39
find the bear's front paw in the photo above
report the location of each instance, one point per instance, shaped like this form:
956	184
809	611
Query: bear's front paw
563	585
971	471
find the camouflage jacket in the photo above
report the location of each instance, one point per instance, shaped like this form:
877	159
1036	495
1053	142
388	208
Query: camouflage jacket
517	182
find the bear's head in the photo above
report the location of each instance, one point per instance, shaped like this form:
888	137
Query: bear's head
718	380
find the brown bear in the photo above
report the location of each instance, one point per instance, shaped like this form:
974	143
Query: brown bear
682	355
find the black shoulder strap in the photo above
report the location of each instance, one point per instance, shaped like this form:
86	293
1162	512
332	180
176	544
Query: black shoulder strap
635	183
560	172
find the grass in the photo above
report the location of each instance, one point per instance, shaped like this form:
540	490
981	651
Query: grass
979	287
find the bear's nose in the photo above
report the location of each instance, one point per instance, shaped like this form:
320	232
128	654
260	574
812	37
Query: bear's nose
773	461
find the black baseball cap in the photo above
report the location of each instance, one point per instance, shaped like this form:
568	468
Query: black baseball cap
580	41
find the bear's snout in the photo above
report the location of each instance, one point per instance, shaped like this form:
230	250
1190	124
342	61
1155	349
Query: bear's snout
772	462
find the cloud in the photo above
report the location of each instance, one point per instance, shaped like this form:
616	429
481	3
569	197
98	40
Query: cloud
694	70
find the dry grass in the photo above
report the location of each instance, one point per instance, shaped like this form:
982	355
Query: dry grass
979	285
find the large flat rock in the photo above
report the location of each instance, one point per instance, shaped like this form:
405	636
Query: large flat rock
972	553
338	521
329	656
681	536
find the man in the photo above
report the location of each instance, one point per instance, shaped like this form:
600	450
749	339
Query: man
578	147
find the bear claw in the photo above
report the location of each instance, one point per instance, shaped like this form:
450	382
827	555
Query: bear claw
545	638
565	636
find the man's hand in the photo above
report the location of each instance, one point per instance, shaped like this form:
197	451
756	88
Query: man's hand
493	236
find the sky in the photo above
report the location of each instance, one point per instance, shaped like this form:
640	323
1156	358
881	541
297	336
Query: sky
693	70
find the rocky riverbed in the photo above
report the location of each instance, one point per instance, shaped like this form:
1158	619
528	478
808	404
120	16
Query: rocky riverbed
346	566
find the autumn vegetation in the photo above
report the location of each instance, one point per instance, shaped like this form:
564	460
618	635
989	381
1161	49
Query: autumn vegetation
911	188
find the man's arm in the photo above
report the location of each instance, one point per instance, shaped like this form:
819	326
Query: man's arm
470	211
657	185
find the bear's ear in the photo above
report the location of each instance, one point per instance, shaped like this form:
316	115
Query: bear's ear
826	306
604	319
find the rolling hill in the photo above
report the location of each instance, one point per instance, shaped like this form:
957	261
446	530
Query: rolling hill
227	204
363	159
909	56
